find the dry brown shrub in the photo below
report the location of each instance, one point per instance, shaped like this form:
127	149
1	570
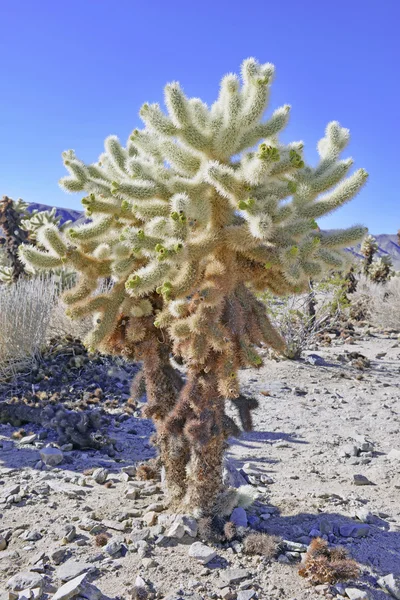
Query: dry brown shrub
101	539
229	530
262	544
328	565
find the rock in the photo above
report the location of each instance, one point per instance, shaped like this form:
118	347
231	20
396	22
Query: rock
70	533
71	589
231	477
390	584
227	594
149	563
28	439
361	480
394	454
325	526
51	456
57	555
150	518
354	530
364	515
246	594
295	546
349	450
314	532
190	525
176	530
139	535
25	580
72	569
100	475
113	546
239	517
355	594
3	543
315	359
230	576
201	552
116	525
131	494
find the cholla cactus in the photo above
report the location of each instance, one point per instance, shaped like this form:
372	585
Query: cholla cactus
381	269
37	219
369	248
10	222
202	208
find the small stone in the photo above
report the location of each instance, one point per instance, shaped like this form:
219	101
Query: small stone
116	525
230	576
394	454
113	547
391	584
131	471
131	494
282	558
149	563
201	552
361	480
100	475
51	456
354	530
70	533
57	555
176	530
239	517
150	518
315	533
190	525
364	515
246	594
227	594
72	569
356	594
325	526
25	580
28	439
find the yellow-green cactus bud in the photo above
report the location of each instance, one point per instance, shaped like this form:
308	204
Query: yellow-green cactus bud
133	281
175	216
292	187
268	265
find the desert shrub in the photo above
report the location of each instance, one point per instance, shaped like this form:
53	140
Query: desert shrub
328	565
25	312
262	544
298	326
379	303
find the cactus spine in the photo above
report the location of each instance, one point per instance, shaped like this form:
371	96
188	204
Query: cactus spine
203	207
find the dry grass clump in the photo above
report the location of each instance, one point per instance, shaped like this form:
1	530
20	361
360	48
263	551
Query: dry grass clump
146	472
101	539
230	530
262	544
25	311
328	565
379	301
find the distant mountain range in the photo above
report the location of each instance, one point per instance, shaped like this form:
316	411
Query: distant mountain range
387	242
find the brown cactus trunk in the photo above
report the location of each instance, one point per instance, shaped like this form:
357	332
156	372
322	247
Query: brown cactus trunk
14	235
163	384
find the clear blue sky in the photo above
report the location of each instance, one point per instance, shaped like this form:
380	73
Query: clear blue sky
74	72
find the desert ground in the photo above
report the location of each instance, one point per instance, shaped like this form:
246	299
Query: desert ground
324	456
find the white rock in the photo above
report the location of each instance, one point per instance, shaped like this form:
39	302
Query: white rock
176	530
100	475
70	589
113	547
391	584
3	543
202	552
72	569
355	594
51	456
394	454
25	580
